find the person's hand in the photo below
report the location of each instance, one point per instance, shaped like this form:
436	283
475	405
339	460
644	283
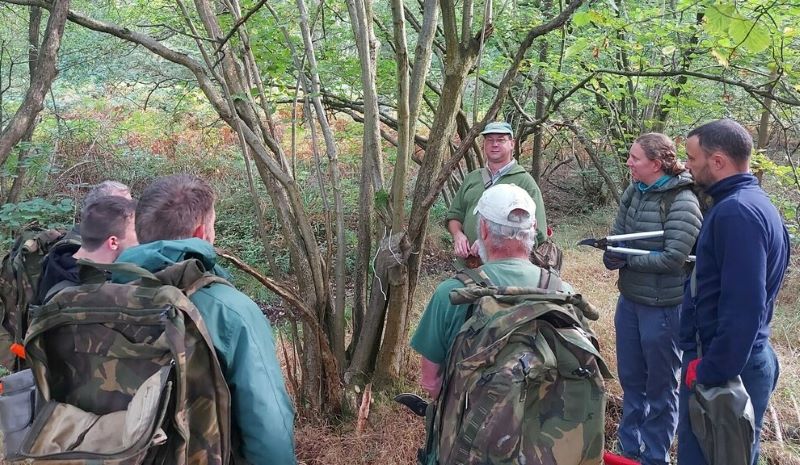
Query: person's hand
614	260
474	249
461	245
691	373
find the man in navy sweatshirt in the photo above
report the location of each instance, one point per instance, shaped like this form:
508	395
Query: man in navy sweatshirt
742	255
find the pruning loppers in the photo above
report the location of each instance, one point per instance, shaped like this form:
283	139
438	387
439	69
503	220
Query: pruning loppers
606	243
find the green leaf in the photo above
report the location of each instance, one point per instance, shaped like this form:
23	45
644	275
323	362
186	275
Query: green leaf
754	37
718	17
576	48
580	19
598	17
668	50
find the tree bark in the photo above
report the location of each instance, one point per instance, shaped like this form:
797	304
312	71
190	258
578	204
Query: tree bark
34	22
541	106
763	125
337	320
371	178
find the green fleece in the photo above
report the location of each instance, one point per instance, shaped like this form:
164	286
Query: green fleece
262	414
470	192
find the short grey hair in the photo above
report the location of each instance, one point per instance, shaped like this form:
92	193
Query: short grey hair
527	236
105	189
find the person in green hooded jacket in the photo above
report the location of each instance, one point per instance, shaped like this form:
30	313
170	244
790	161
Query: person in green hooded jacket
175	221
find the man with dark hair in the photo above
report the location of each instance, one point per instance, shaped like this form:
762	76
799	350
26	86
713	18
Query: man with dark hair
107	229
175	221
742	256
60	268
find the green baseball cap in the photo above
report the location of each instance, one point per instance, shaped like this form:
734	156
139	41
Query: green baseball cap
498	127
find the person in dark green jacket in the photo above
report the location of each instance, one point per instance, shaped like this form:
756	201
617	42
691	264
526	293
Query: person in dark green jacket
651	292
501	168
175	221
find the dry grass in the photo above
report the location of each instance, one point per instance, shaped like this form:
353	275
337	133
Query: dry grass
392	437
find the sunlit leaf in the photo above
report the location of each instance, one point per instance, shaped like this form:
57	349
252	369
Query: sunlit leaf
580	18
754	37
721	57
718	17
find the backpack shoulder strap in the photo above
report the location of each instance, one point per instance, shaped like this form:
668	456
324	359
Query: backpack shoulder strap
474	277
58	287
549	279
666	202
206	280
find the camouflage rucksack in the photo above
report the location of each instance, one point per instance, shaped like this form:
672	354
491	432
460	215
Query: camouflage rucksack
19	277
523	382
127	373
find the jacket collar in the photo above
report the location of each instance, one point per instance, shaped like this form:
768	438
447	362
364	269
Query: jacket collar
731	184
154	256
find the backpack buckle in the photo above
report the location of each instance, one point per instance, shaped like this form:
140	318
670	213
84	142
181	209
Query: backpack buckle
582	372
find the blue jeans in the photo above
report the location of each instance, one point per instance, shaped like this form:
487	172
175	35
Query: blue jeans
759	376
648	361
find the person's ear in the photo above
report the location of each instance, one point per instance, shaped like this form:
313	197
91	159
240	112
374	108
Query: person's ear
483	229
112	243
200	231
718	161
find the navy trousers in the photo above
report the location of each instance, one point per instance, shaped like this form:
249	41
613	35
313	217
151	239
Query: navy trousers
648	362
759	376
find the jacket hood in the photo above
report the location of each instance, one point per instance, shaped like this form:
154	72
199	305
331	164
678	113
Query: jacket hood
155	256
62	263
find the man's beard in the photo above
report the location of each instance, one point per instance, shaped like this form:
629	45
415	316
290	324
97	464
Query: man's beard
482	250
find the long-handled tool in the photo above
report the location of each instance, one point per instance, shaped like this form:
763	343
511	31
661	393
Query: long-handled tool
604	243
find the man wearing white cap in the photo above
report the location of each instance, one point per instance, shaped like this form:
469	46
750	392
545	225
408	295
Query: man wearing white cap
501	168
506	222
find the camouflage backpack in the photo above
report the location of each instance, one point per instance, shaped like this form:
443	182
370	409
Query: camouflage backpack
19	277
127	373
523	382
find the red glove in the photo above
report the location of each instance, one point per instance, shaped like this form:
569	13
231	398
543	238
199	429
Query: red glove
691	373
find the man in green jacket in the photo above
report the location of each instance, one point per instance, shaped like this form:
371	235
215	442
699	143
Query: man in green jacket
175	221
501	168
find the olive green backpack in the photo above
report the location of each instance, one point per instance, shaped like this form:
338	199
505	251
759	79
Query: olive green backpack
19	278
523	382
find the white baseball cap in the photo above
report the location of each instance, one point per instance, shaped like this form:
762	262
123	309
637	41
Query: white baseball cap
499	201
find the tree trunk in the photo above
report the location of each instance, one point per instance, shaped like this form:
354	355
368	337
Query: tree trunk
763	125
371	177
337	321
541	104
34	22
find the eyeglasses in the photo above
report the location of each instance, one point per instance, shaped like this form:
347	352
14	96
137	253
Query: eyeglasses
496	139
